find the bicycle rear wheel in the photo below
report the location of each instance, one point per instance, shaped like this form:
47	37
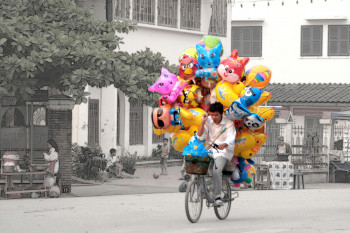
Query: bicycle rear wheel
193	201
223	211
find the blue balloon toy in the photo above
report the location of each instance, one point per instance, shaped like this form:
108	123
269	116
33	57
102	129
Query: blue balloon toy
209	60
195	147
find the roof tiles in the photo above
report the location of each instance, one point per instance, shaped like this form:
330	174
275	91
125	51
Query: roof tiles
309	92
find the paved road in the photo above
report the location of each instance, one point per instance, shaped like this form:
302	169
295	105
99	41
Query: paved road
270	211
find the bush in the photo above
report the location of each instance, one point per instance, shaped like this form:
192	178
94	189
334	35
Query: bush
88	162
128	160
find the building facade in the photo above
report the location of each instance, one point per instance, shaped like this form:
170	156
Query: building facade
164	26
300	41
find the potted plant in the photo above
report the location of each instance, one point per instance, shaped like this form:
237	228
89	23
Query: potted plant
128	161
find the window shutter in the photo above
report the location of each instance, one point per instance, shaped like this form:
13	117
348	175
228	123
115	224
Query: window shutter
311	40
257	42
247	41
338	40
317	40
236	38
344	40
305	41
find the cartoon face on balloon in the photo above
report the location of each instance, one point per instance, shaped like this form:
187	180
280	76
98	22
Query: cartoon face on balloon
209	58
161	118
232	69
165	84
191	96
187	68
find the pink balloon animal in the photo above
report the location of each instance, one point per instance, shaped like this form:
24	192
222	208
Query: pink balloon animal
232	68
168	85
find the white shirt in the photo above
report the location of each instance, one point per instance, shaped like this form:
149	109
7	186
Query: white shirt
111	160
52	156
211	130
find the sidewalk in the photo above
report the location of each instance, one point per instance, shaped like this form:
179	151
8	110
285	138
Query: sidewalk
141	183
144	183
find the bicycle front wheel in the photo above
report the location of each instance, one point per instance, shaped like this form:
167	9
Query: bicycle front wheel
193	201
223	211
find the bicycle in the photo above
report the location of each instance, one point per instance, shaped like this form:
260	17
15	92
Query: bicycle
199	189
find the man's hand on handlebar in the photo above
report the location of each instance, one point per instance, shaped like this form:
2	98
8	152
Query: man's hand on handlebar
219	146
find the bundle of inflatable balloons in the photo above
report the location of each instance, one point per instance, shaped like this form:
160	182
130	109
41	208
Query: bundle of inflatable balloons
204	78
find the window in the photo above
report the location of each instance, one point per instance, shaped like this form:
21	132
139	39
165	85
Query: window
218	22
190	14
247	40
12	118
136	124
311	40
93	121
167	13
338	40
143	11
39	116
157	138
122	9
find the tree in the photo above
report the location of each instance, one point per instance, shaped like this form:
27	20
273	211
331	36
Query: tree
58	44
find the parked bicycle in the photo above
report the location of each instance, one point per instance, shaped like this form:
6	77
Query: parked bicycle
200	188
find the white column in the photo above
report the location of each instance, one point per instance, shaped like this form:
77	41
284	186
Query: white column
147	130
81	119
125	122
108	121
326	133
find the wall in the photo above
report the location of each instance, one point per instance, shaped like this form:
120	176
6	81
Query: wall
60	129
170	43
282	33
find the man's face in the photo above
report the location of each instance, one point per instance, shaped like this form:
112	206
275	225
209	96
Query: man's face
280	142
216	116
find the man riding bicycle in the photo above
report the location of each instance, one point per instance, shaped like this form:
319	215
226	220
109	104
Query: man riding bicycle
210	127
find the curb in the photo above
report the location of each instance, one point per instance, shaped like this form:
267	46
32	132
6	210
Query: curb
170	163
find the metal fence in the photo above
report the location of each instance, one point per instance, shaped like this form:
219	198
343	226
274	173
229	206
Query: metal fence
306	143
268	151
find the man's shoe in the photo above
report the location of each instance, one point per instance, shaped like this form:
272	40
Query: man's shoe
218	203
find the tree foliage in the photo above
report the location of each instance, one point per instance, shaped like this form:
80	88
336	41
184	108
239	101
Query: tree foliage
58	44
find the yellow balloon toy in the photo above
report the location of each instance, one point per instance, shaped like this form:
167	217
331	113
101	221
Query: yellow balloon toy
180	140
258	76
265	96
197	114
193	129
191	96
225	94
191	52
243	141
266	113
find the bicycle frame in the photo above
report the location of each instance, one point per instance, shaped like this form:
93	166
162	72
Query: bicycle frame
209	195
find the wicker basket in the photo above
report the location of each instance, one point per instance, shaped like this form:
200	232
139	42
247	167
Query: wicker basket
197	164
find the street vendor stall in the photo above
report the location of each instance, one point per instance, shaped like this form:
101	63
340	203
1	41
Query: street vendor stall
17	181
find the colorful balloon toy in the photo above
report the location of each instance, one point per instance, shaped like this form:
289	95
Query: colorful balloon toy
232	69
209	60
203	79
168	85
187	68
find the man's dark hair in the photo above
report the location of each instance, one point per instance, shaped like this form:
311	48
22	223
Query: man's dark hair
165	139
216	107
111	151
